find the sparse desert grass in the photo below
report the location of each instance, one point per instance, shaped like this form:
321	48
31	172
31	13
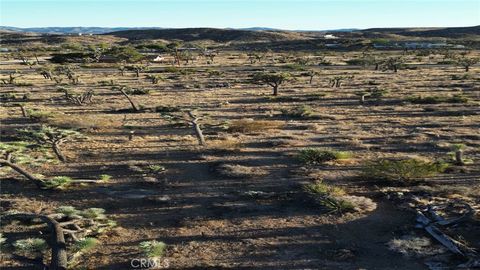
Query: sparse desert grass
227	144
457	98
414	246
336	200
403	171
313	156
303	111
240	171
86	122
251	125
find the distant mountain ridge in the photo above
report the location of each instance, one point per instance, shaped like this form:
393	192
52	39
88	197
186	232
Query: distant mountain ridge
104	30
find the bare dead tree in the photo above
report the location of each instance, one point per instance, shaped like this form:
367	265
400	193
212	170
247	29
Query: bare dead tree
196	128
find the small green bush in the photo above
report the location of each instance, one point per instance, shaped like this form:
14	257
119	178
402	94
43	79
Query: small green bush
93	213
153	249
321	188
57	182
405	171
318	156
85	245
331	198
30	245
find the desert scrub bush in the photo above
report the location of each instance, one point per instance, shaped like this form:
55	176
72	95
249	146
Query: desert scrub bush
317	156
30	246
85	245
86	122
105	178
226	144
167	109
328	197
153	249
251	125
138	91
321	188
303	111
457	98
57	182
336	200
456	77
240	171
41	116
404	171
154	168
414	246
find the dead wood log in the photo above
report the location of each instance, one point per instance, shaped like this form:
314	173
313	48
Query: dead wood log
197	129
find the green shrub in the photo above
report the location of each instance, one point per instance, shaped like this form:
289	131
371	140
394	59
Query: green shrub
405	171
85	245
457	98
105	177
57	182
93	213
68	211
331	198
318	156
153	249
321	188
30	245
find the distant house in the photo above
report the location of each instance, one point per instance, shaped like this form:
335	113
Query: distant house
159	58
329	36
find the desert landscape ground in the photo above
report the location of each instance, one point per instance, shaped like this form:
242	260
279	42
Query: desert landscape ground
170	146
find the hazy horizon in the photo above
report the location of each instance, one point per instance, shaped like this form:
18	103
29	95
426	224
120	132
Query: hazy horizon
283	14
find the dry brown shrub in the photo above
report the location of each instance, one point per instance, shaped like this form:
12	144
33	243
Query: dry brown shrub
86	122
234	170
250	125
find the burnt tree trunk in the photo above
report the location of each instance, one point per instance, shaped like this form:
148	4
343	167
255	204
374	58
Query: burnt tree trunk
59	259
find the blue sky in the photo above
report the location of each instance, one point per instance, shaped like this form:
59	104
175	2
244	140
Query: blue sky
283	14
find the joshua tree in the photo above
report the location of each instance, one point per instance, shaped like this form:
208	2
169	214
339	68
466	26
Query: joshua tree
122	89
46	72
311	74
12	78
66	223
458	150
466	62
51	136
79	99
69	72
173	48
337	80
137	69
272	79
13	155
155	78
393	63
